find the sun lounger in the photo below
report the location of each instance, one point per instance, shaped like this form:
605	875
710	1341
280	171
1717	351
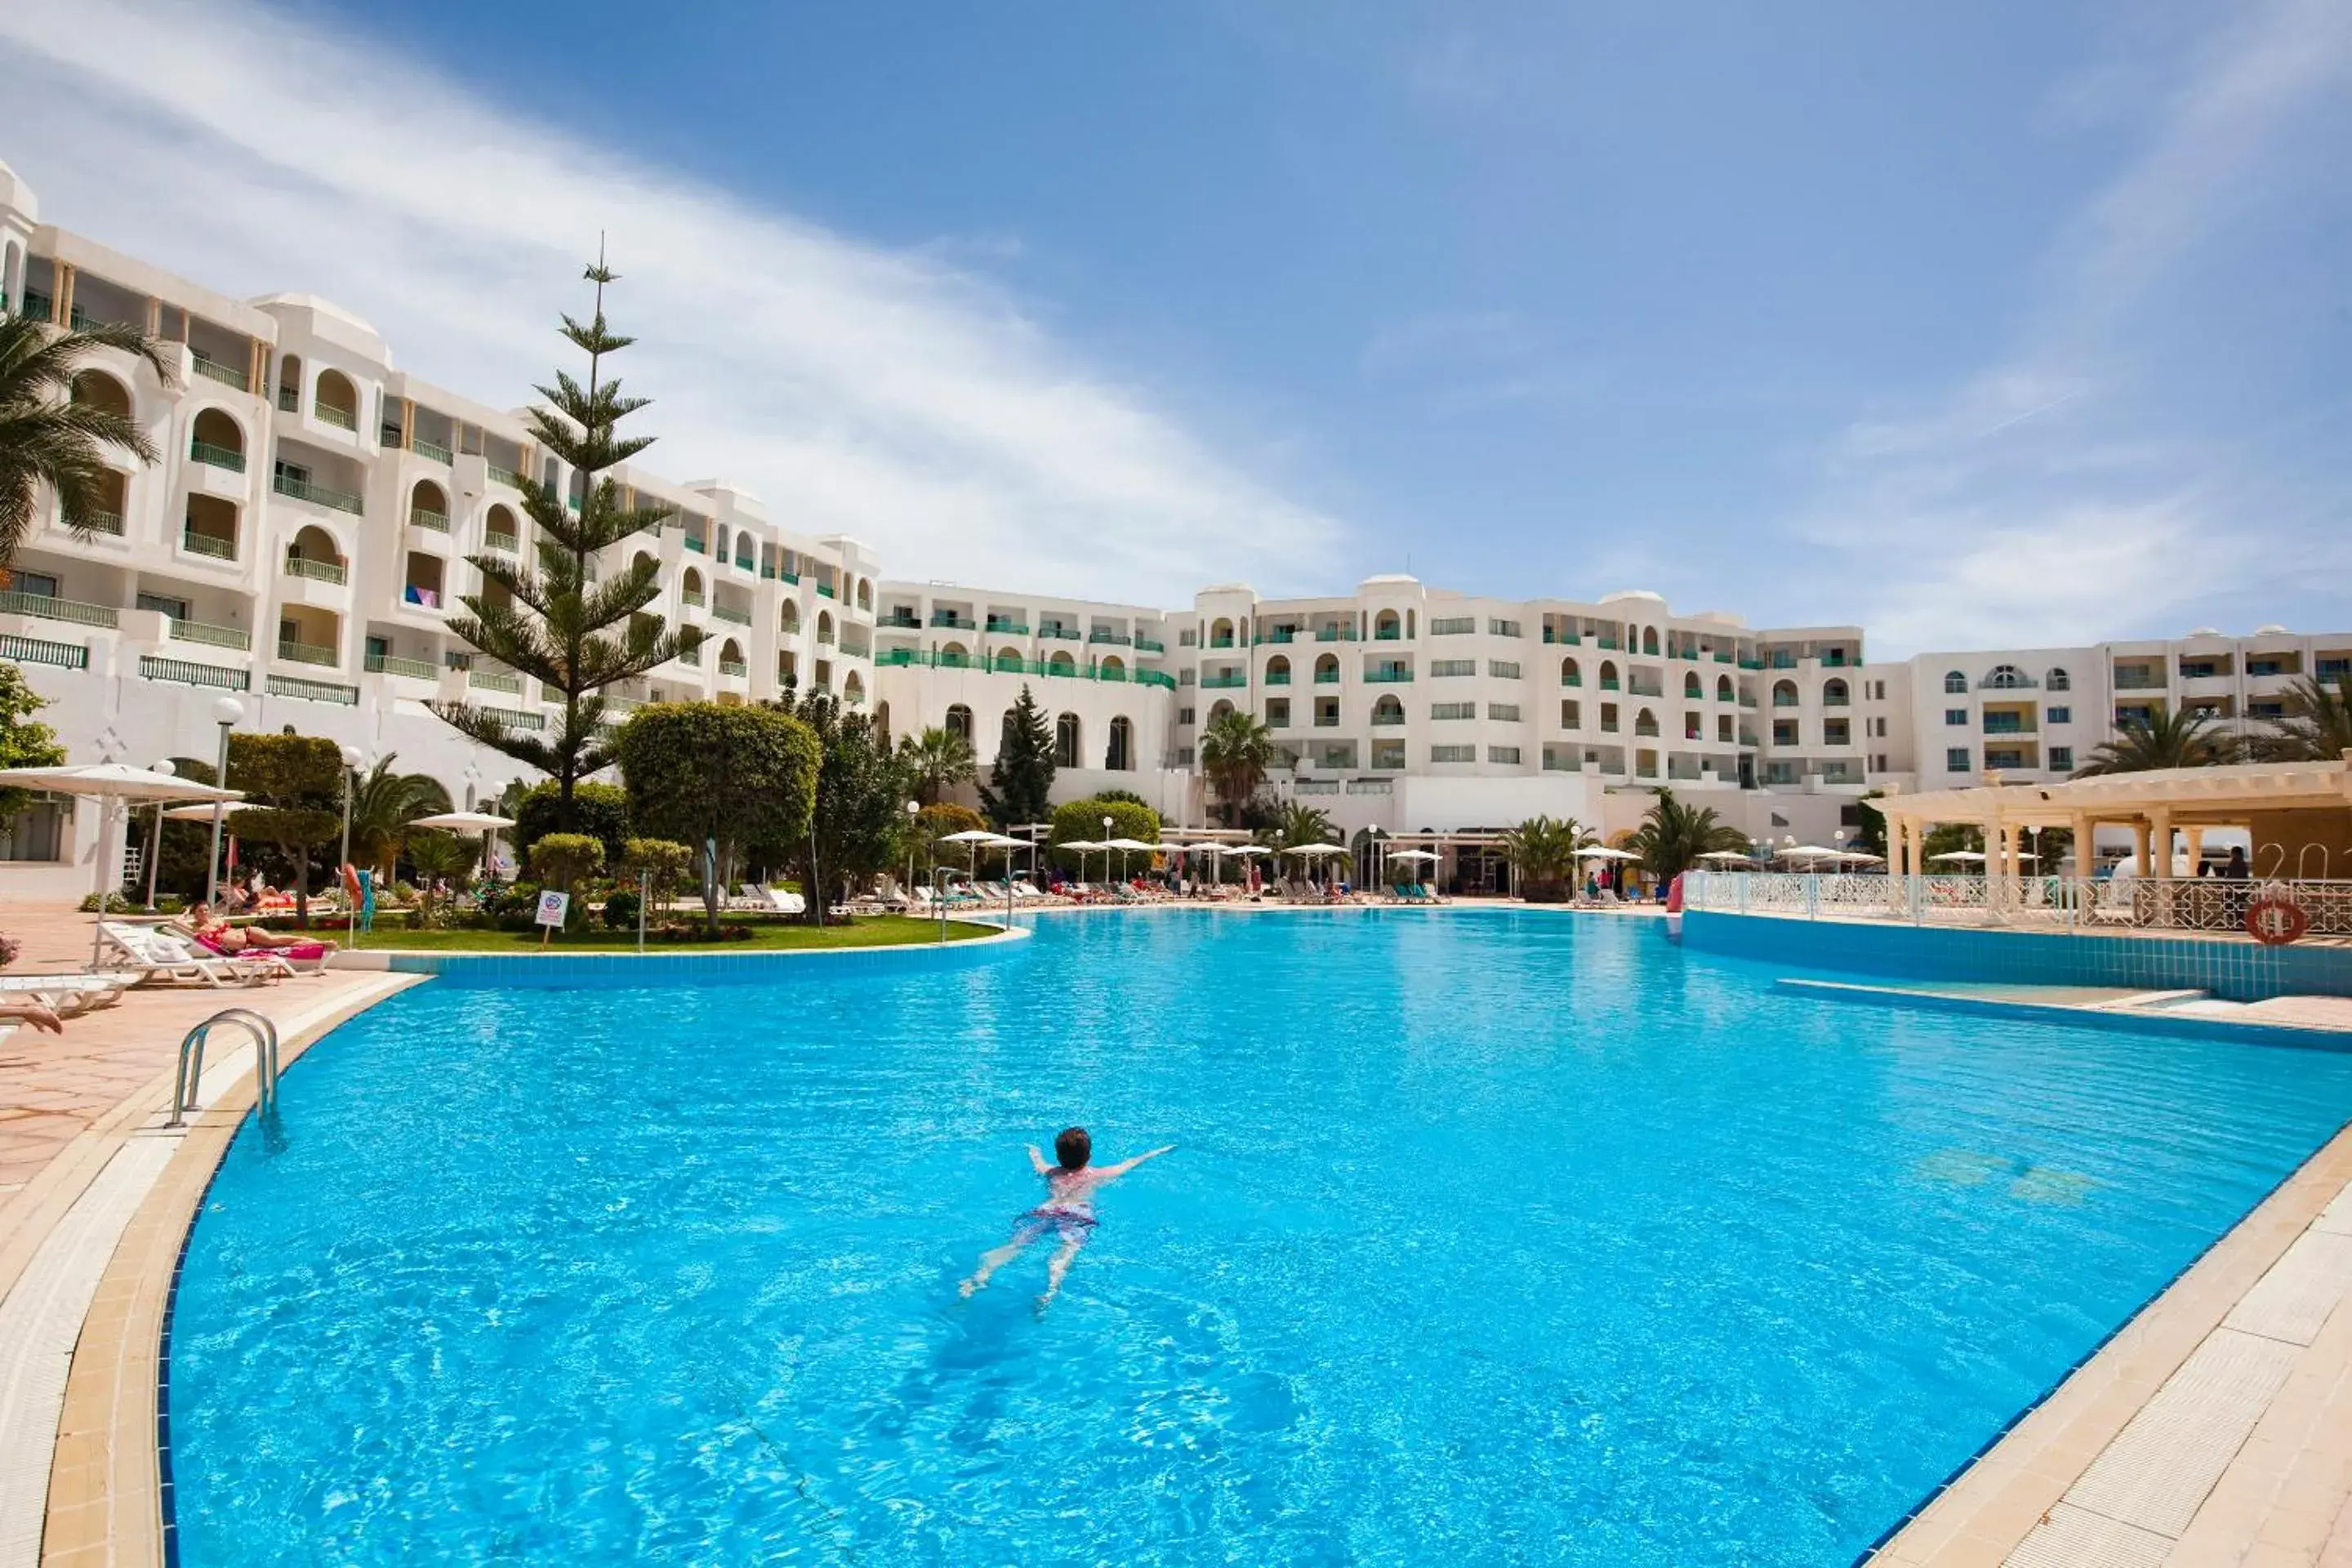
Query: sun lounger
782	900
158	958
302	957
67	996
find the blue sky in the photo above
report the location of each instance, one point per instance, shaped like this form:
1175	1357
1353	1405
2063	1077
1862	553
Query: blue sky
1988	324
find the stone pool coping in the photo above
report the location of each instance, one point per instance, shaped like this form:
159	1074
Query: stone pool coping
548	970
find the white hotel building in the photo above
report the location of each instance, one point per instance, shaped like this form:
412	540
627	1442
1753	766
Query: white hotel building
302	541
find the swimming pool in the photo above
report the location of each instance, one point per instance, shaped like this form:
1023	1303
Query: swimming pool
1493	1237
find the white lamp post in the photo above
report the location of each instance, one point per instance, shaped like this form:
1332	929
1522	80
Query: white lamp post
914	810
353	760
1122	854
226	713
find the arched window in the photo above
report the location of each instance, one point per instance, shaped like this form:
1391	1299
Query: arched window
2059	681
882	726
1608	675
337	401
1723	688
852	690
1784	694
1570	673
748	557
1004	732
2006	678
428	506
501	520
825	626
1835	695
217	439
692	584
1693	687
792	618
1219	710
1221	633
1645	723
314	547
866	592
954	655
1065	742
959	722
1120	756
1277	670
96	389
1062	663
1113	668
1387	627
641	562
1955	684
1327	668
1388	711
718	549
289	383
1650	640
1008	659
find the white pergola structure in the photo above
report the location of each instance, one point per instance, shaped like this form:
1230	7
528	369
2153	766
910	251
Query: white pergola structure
2153	805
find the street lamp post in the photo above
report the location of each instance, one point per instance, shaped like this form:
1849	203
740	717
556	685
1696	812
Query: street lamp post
1122	854
353	760
914	810
226	713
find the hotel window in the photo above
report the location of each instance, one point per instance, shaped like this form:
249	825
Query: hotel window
1502	668
37	584
1504	629
2061	715
1452	753
1723	728
1504	713
1956	760
1439	668
1508	755
2061	681
175	608
1184	715
1608	716
1784	731
1388	755
2061	759
1955	683
1956	716
1571	715
1453	710
1835	733
1453	626
1694	727
1188	637
1278	713
1327	712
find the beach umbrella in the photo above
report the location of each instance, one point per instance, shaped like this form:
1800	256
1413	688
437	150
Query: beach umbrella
1725	855
481	822
1084	847
1127	846
972	838
120	787
1602	852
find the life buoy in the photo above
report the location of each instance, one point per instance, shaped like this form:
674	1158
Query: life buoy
2275	920
1674	895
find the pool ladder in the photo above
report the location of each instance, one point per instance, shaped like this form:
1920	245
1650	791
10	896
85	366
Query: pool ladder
185	1084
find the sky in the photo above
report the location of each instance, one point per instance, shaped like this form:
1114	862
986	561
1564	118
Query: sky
2021	322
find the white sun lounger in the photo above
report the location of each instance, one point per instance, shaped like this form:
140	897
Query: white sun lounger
64	995
154	958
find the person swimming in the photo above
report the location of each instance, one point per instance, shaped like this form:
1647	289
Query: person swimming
1068	1210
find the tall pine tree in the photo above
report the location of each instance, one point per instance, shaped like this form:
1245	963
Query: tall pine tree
1022	774
558	623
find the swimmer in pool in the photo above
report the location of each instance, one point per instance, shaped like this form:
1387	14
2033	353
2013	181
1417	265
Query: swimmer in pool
1068	1210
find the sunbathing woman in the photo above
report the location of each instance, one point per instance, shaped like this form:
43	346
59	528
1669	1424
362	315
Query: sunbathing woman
222	937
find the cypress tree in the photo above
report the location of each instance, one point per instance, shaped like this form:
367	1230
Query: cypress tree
1022	778
557	623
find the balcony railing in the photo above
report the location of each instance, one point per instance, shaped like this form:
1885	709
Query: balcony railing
728	613
1387	677
825	591
340	418
1326	678
505	543
209	635
317	495
188	672
494	681
73	610
2138	681
392	664
506	477
1224	679
691	597
953	622
213	370
289	400
1066	634
734	667
433	449
1100	636
1276	678
1145	644
214	457
901	621
313	691
317	570
107	522
305	652
1004	627
424	518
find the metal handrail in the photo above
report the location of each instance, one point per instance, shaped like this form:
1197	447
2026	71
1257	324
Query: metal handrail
187	1081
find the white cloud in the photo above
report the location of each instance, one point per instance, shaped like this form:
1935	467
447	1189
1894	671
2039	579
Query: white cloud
2051	497
887	394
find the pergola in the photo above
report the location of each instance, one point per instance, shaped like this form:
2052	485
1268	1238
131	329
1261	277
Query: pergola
2299	816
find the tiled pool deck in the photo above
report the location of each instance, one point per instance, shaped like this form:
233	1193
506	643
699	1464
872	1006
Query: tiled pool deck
2215	1427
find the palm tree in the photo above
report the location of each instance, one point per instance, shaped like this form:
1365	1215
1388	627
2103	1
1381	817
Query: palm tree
383	803
1299	823
2165	740
47	437
2315	728
1673	835
1236	750
936	761
1543	851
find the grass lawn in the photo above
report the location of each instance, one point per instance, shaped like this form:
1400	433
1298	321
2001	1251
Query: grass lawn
767	936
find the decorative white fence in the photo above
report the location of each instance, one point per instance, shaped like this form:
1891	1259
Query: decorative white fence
2128	903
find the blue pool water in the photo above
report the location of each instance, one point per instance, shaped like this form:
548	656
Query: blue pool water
1492	1238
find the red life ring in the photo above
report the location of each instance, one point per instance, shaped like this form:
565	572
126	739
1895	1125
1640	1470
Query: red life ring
2275	920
